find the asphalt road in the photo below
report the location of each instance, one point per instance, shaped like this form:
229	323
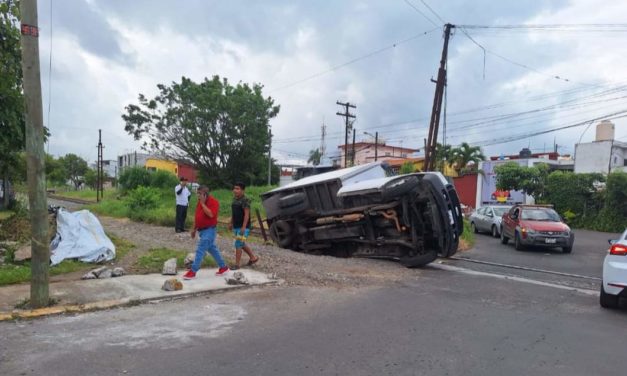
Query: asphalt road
437	323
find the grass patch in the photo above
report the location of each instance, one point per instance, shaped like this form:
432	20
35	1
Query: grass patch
165	212
18	273
467	240
153	261
85	194
5	214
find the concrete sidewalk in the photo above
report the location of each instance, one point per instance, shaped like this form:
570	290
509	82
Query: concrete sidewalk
87	295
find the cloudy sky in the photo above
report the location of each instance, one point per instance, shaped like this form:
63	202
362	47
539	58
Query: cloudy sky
378	54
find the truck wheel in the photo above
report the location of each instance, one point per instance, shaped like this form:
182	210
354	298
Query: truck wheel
608	300
396	191
517	243
504	239
281	232
418	261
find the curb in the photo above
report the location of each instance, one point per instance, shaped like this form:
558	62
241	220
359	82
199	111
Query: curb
117	303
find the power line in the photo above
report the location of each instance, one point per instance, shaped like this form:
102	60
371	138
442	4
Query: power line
352	61
421	12
432	11
578	27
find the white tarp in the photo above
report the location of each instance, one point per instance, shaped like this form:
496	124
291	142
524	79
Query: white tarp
80	236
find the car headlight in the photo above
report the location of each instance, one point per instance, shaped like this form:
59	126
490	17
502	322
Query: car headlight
566	233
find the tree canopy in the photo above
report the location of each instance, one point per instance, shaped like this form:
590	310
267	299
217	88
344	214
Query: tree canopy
223	129
75	168
314	157
531	180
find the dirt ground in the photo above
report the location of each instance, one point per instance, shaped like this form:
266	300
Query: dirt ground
293	267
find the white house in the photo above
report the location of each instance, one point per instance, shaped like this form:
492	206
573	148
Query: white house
604	154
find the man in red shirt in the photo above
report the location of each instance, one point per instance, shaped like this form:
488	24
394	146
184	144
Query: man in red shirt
205	222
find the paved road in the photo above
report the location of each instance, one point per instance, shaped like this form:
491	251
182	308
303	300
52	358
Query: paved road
436	323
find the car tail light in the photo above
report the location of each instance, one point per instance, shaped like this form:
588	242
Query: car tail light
618	250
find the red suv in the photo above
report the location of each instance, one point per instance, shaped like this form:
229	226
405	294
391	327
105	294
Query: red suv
536	225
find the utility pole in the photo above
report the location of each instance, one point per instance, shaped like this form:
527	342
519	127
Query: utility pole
323	146
376	145
269	156
347	115
39	293
437	103
353	149
99	173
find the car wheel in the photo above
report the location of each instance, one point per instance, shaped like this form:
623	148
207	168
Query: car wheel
608	300
474	228
504	239
495	233
568	249
517	244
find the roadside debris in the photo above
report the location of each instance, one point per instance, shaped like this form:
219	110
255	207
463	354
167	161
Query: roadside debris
169	267
238	278
118	272
103	272
172	284
23	253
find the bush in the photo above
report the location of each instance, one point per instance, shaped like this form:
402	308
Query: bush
574	196
134	177
142	198
407	168
163	179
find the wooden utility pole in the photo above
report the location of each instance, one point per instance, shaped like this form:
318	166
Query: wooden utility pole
376	145
347	115
269	156
437	104
40	242
353	148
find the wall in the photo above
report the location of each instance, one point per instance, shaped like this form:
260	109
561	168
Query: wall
160	164
466	187
189	172
592	157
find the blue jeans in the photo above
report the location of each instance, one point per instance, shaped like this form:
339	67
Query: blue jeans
206	243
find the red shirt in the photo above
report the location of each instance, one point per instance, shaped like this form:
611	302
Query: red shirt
201	219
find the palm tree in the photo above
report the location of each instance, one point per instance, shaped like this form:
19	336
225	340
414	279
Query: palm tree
314	157
465	154
443	156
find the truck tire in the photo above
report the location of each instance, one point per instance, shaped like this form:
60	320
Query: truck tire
281	233
418	261
397	191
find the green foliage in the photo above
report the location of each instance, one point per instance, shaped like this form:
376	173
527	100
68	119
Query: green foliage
75	168
468	236
134	177
153	261
142	198
407	168
574	194
461	156
314	157
531	180
222	128
91	178
55	171
163	179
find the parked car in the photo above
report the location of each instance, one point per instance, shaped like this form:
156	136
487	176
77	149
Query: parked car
614	283
360	211
536	225
488	219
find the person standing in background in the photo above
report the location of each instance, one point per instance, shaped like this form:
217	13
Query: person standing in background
182	201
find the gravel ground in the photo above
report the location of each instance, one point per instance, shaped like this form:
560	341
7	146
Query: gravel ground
293	267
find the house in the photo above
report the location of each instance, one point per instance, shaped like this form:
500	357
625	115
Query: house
418	162
134	159
365	152
604	154
181	169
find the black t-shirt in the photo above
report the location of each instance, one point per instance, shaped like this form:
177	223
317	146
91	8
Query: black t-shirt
237	209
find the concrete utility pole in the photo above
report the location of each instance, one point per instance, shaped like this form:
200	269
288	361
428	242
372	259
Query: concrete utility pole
269	156
437	104
40	243
353	149
99	172
346	116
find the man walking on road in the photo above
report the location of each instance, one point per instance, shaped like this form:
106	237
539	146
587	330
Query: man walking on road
241	225
182	201
205	222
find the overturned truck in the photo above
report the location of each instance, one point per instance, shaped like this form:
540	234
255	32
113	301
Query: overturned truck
360	211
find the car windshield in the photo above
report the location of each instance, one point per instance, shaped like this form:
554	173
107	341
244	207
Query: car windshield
540	215
500	211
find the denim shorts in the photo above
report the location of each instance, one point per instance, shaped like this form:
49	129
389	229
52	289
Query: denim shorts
240	238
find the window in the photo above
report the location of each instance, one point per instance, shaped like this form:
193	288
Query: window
387	154
625	162
404	155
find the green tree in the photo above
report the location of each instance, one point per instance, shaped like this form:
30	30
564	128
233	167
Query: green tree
314	157
407	168
133	177
531	180
91	178
443	156
465	154
163	179
75	168
55	171
11	99
222	128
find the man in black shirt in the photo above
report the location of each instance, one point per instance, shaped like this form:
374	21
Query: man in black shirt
241	225
182	201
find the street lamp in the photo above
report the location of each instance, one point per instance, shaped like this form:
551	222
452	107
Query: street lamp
376	143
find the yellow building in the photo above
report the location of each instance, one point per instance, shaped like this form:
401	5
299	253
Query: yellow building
155	164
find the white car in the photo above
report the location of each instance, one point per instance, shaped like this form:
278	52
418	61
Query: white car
614	284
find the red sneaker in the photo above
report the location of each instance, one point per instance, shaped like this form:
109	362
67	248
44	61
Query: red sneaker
189	275
222	270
